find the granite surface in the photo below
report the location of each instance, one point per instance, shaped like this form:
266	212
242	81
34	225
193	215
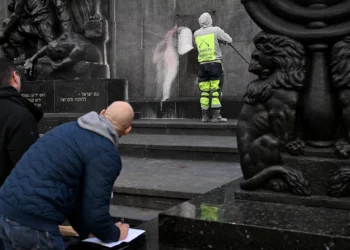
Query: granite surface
74	96
218	221
312	201
133	72
191	7
318	171
183	123
135	214
173	178
159	8
152	238
188	142
183	127
201	147
131	11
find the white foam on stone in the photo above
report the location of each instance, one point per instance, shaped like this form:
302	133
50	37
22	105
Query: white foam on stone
166	57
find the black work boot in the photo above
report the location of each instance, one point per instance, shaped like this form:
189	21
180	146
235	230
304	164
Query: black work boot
217	117
205	115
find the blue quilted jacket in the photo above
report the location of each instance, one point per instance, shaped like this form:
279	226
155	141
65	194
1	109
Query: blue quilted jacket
67	174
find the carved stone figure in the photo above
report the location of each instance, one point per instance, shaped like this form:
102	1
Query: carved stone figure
66	51
268	117
81	11
61	8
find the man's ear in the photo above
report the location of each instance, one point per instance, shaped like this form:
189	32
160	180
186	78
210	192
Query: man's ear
127	131
14	78
103	112
15	81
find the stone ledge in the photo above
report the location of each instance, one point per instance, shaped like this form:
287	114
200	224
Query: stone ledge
312	201
251	225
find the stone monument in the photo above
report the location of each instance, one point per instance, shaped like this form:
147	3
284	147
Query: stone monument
298	105
59	47
293	140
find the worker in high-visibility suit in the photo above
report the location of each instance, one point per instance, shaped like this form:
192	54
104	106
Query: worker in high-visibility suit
207	40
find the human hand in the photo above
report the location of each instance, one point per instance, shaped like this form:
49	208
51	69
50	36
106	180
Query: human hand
124	230
67	231
28	67
96	16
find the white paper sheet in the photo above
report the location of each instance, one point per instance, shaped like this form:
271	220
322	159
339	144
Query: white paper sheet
133	234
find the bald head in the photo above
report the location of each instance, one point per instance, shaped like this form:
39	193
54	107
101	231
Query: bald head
121	115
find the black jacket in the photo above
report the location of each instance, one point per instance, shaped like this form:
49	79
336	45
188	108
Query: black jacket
18	128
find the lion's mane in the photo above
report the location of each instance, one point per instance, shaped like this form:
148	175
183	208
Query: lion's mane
288	58
340	59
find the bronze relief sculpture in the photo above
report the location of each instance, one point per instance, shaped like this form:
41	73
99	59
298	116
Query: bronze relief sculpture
35	26
268	117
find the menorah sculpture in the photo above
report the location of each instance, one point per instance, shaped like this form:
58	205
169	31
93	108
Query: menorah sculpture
300	103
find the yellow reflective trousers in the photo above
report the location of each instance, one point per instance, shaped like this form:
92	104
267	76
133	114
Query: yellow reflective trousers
210	83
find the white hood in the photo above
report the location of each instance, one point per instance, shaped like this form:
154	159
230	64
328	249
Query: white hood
205	20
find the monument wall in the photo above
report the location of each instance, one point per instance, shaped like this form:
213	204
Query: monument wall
142	48
142	25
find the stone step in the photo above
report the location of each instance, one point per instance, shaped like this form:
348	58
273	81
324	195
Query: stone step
192	147
182	107
152	126
163	183
183	127
132	215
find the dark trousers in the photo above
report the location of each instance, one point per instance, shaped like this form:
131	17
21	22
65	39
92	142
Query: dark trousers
17	237
210	80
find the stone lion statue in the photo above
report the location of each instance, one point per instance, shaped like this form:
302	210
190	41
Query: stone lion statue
340	59
268	117
341	80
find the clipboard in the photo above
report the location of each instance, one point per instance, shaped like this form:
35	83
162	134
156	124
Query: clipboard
133	244
133	235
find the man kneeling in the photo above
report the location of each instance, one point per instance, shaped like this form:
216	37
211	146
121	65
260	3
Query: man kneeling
67	174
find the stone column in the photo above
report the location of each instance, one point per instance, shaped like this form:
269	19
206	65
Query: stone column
319	107
113	39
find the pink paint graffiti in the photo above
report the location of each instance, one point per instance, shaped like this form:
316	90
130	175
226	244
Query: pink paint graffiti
166	59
